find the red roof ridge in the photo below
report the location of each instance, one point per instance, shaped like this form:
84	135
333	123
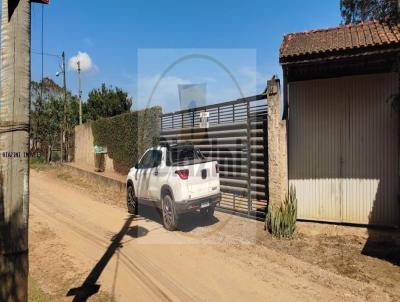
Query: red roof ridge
343	37
342	26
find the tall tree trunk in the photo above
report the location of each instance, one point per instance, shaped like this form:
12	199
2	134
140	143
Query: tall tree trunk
14	147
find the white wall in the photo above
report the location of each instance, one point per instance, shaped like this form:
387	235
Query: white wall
84	148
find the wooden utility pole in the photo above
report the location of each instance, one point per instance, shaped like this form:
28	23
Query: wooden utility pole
64	124
14	147
79	92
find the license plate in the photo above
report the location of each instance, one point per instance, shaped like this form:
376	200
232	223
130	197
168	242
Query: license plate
204	204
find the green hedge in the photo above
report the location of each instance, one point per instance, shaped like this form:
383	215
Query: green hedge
127	136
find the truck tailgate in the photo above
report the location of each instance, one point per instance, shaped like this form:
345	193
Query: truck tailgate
203	179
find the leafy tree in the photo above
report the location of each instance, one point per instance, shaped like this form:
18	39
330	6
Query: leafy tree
355	11
47	115
106	102
52	118
41	93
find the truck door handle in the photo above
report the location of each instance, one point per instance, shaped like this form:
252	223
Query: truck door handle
155	173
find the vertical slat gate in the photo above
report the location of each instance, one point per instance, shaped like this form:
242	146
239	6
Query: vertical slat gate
248	158
236	138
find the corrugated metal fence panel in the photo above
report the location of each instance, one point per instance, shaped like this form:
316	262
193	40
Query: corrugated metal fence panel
343	149
370	151
314	136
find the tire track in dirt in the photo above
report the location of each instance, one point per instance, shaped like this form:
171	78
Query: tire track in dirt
165	290
223	274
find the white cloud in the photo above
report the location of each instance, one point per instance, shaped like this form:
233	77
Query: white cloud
85	61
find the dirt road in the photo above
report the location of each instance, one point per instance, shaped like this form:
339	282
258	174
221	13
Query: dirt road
82	249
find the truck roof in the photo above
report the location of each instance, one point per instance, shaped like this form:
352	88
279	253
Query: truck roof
177	145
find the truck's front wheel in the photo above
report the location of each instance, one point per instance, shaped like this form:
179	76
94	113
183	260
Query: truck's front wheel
170	217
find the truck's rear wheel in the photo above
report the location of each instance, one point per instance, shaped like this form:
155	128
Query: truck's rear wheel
132	202
207	213
170	217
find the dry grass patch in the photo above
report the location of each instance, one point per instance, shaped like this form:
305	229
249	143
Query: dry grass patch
35	294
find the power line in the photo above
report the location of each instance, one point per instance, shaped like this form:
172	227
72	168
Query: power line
45	54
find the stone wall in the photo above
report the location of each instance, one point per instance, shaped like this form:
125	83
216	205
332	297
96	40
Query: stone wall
84	148
277	146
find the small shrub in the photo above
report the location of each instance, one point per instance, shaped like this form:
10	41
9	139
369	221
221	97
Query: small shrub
37	160
55	156
281	221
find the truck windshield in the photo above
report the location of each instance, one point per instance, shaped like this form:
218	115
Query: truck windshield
181	154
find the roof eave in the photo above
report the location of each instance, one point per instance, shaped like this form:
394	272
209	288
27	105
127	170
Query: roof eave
337	55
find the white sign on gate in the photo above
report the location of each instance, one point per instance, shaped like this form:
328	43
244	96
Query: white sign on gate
204	123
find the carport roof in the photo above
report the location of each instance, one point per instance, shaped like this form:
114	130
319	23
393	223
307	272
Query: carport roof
343	40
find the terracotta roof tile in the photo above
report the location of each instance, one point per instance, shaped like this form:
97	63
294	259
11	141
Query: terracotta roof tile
360	35
353	36
396	32
368	36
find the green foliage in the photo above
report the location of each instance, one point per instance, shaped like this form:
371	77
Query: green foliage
354	11
281	221
47	114
37	159
46	98
106	102
37	162
126	136
55	156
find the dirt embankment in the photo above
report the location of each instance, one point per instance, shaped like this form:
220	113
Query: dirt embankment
83	245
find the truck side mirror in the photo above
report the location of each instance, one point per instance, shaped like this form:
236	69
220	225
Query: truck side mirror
137	166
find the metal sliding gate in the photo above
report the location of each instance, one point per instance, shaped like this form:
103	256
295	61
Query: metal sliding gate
235	136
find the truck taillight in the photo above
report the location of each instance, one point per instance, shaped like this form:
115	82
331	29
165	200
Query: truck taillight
217	168
183	174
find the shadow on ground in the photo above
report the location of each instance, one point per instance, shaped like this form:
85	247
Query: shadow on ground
90	287
137	231
384	245
187	222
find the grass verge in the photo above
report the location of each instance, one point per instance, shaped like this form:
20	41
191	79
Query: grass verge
35	294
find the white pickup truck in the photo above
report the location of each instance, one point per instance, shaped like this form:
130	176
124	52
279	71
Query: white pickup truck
175	179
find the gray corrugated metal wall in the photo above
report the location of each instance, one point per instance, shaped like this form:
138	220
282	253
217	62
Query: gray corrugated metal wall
343	149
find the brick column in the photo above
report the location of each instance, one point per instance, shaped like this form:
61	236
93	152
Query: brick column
277	145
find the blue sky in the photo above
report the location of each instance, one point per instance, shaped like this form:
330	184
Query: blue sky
130	43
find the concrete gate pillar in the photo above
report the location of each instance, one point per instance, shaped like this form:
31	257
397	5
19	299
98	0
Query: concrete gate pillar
277	145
